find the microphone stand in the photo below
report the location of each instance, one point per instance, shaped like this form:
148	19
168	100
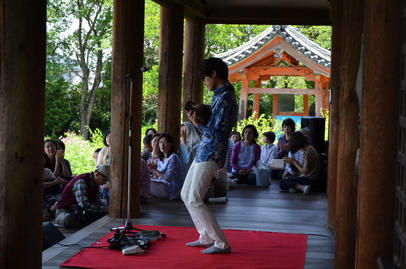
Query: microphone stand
128	224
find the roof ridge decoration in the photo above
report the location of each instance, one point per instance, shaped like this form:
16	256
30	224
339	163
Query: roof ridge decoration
291	35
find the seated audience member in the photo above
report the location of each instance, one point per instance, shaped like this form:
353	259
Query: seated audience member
145	182
150	131
245	156
104	153
188	141
288	127
308	168
104	158
50	152
291	170
63	168
53	187
268	149
155	149
83	192
146	153
235	137
169	171
95	155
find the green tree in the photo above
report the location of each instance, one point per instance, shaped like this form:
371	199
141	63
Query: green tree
80	34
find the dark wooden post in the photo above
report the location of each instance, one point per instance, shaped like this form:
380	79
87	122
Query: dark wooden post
382	20
242	112
22	102
257	99
348	136
128	36
334	112
194	50
170	70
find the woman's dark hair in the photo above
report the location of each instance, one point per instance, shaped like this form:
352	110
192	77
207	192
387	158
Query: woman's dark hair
297	141
98	150
270	135
105	137
147	139
49	140
59	144
151	129
290	123
236	133
170	139
216	64
254	129
203	112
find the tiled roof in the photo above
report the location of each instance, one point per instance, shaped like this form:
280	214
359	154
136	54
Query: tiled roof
291	35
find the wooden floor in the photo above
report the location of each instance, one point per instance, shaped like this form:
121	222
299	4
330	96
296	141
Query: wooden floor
248	208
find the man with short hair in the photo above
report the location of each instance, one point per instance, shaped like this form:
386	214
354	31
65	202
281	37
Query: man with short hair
210	155
82	191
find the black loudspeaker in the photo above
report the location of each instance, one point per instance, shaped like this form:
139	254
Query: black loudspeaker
315	127
50	235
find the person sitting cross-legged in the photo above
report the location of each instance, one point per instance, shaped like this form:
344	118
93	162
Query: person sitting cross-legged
80	195
308	168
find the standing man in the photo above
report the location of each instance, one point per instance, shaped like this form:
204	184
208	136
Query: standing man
210	156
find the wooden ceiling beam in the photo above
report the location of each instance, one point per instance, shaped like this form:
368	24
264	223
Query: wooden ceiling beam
264	15
193	9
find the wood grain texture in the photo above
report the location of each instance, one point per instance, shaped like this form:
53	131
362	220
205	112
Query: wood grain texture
22	106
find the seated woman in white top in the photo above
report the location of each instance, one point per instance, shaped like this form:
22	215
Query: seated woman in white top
268	149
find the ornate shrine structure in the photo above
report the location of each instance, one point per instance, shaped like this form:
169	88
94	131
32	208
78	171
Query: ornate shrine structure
280	50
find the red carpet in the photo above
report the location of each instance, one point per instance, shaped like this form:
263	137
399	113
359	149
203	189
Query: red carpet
249	249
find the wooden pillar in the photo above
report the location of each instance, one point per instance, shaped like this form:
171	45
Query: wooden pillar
128	36
274	105
170	70
318	96
257	99
306	104
325	94
242	114
348	136
379	118
194	50
22	105
334	139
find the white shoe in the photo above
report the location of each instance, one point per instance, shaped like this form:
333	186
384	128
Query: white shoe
306	189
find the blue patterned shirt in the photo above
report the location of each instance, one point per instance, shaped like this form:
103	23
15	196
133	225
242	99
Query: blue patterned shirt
214	136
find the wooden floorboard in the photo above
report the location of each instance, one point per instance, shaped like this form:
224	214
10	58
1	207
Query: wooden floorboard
248	208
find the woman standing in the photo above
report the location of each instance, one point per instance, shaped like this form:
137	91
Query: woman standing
189	139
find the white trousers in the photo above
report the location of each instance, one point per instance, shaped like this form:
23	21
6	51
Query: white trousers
194	189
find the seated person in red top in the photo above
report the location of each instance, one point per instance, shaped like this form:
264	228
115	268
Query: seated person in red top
82	191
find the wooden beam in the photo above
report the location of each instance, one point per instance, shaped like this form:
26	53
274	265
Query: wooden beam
194	50
334	141
194	10
282	71
274	105
170	70
281	91
346	222
128	36
257	100
261	15
379	118
242	111
306	105
22	110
